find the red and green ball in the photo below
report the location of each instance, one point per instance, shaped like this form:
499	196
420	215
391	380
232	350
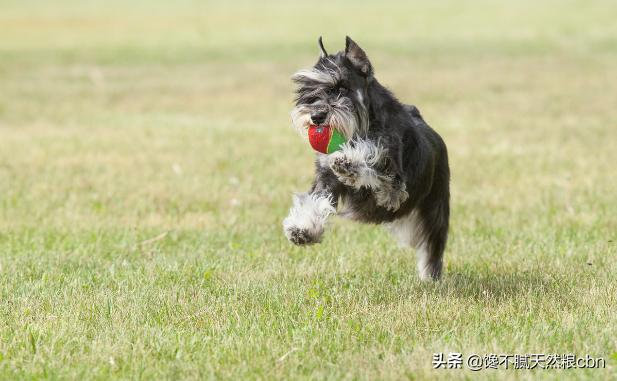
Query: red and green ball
325	139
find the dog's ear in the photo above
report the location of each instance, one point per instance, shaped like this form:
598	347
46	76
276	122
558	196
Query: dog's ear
323	52
357	57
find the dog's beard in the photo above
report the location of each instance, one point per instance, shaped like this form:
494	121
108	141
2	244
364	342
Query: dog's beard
341	117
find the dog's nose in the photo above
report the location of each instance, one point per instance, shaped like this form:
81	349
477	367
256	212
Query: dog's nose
318	117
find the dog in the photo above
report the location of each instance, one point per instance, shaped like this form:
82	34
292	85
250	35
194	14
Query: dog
393	168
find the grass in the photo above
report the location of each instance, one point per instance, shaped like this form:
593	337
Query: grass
146	164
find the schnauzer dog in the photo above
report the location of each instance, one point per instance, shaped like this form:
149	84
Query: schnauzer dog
392	170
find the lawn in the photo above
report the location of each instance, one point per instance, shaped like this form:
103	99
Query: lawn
147	161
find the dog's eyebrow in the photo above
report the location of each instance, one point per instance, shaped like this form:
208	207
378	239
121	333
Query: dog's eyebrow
318	76
309	95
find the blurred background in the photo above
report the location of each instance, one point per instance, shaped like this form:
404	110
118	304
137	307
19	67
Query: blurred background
163	112
147	161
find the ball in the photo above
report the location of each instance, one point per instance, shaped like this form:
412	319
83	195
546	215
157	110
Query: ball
325	139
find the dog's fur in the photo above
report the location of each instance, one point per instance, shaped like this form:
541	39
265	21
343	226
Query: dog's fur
393	169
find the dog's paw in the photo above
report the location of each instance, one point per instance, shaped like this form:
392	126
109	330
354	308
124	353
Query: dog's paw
307	218
301	237
393	197
346	170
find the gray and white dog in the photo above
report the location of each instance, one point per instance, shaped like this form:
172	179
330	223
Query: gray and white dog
392	170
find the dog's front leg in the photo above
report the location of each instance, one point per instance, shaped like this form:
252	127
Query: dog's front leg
365	164
392	193
307	217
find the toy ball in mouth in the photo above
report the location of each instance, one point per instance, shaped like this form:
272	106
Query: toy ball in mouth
325	139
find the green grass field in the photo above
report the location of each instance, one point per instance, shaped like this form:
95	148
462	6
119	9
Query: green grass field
147	161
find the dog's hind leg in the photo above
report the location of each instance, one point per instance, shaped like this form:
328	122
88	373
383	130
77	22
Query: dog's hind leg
426	230
434	217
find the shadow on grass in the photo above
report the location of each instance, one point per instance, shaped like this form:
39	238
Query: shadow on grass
501	286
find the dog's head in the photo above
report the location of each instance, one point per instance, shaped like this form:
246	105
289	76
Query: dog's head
334	92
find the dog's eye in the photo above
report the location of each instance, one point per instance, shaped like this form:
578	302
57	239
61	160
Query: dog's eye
338	90
308	100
